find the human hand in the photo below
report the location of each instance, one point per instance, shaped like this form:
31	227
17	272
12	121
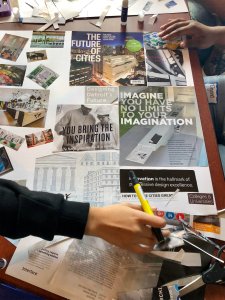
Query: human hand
197	34
124	225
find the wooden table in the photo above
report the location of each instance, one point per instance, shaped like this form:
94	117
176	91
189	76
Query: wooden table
113	24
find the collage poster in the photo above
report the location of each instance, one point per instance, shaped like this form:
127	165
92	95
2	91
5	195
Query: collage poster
122	106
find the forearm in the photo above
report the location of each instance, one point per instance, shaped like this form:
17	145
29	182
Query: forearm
25	212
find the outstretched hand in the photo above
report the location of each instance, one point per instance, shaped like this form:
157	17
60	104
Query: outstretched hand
197	35
124	225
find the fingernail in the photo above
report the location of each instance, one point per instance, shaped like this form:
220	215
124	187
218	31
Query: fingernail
160	33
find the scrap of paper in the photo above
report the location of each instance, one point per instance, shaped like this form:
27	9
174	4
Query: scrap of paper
39	138
10	139
152	19
153	41
43	76
12	75
36	55
48	39
190	259
170	4
102	17
11	46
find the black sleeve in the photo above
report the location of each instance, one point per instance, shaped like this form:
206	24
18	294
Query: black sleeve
24	212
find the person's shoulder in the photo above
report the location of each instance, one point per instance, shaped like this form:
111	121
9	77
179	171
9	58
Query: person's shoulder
75	111
72	112
92	117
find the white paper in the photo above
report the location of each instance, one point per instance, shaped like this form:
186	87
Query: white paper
39	268
93	8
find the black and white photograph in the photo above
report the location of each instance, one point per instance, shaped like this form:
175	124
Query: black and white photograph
79	175
86	127
165	68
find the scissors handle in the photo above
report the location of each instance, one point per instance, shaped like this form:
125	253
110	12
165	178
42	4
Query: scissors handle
215	273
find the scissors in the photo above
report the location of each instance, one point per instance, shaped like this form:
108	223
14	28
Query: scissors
214	274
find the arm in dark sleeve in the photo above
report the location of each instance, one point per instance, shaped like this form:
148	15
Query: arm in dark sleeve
24	212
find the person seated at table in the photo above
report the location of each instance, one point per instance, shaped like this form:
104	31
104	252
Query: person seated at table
25	212
216	7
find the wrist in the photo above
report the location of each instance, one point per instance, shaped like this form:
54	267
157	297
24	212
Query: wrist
218	35
93	221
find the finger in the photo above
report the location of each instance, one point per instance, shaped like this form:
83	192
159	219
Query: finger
138	206
166	232
140	249
171	22
153	221
183	44
131	205
146	241
146	232
175	31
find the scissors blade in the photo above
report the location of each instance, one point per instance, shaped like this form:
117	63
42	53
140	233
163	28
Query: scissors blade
182	281
209	254
193	285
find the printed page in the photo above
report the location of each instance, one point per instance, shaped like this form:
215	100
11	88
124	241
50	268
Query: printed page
107	59
159	127
174	191
86	127
37	266
167	67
